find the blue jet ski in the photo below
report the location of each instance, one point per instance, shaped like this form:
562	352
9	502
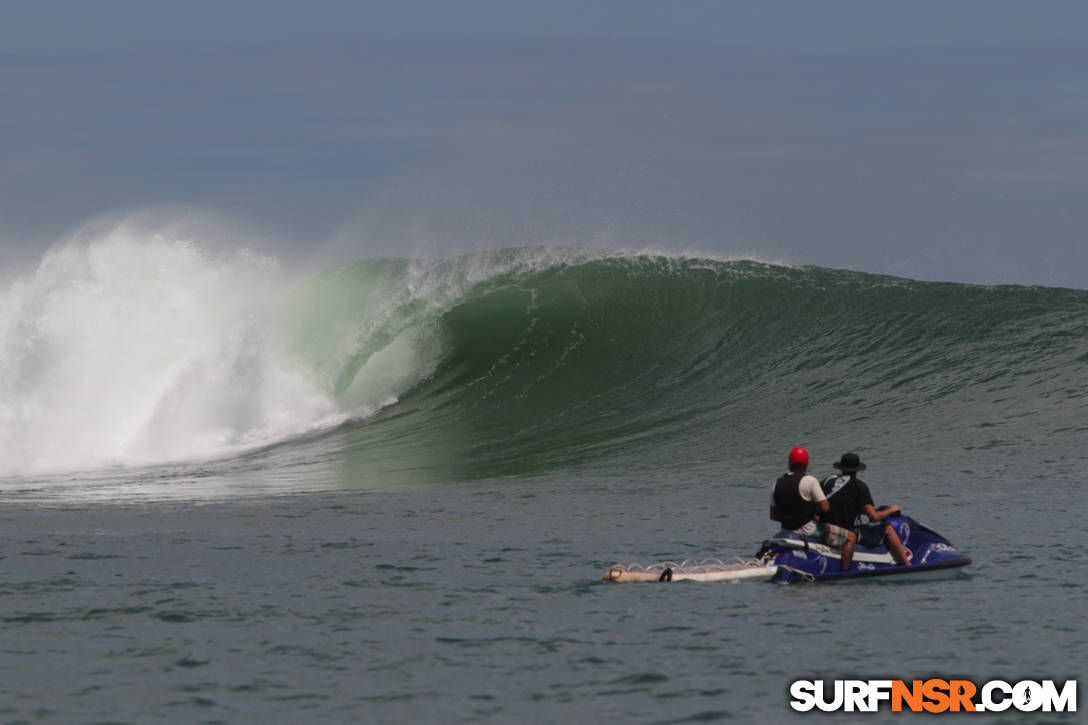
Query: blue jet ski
801	558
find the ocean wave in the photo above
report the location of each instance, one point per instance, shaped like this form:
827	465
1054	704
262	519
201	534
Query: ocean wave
132	351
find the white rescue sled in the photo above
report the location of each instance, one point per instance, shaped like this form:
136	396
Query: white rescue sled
707	570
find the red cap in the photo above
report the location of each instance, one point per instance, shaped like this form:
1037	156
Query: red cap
799	457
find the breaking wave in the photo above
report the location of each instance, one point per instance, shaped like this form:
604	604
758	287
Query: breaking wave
134	351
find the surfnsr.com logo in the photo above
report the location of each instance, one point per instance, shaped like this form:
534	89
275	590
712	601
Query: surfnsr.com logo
933	695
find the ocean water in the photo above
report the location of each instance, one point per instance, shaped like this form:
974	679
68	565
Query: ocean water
387	491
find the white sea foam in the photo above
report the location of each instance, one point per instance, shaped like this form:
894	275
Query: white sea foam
131	349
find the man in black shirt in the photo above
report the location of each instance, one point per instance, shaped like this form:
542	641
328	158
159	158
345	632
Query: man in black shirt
848	497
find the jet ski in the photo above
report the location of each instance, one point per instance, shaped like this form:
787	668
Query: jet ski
802	558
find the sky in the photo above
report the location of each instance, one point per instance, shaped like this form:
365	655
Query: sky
931	140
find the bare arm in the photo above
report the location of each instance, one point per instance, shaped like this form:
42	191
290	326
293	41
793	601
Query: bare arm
875	515
774	514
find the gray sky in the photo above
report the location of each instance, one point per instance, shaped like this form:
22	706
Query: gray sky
929	140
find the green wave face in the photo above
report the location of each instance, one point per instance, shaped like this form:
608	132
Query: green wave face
523	361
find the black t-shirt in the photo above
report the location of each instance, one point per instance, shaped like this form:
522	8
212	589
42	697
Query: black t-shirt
847	495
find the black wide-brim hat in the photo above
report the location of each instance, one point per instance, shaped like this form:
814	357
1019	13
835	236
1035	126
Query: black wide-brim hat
849	463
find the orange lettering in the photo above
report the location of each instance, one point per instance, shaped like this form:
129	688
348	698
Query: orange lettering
912	695
961	692
937	691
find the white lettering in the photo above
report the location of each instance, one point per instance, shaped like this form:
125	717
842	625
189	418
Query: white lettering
803	693
856	695
1027	696
834	704
988	701
879	690
1065	701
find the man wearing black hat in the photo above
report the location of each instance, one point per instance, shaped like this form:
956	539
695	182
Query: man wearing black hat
848	497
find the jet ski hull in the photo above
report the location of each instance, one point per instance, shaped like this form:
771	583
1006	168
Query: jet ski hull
800	558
